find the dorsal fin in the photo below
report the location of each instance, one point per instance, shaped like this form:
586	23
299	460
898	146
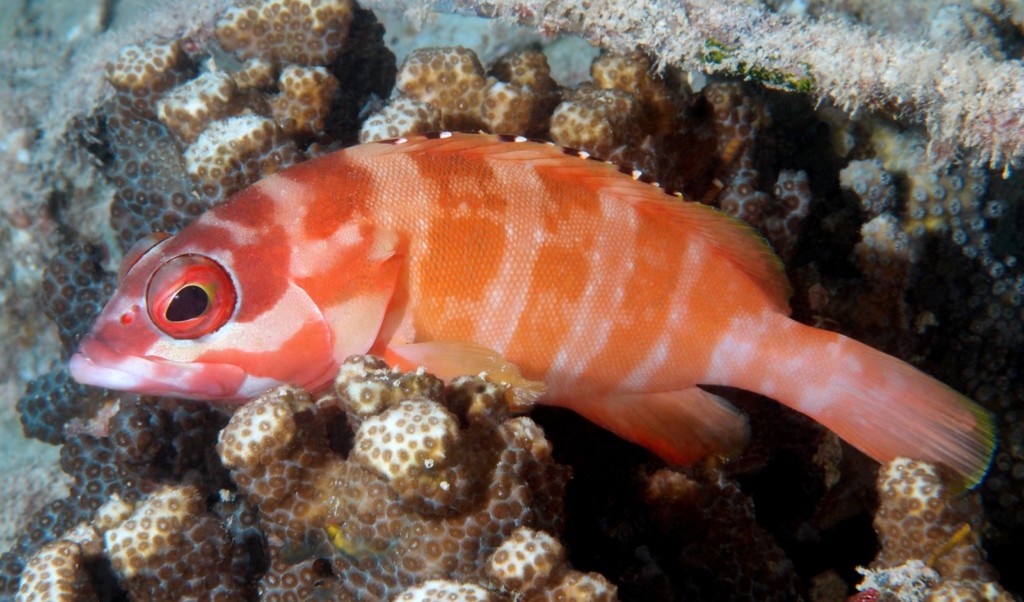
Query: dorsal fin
734	240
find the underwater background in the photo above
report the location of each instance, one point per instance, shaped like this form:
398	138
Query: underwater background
877	146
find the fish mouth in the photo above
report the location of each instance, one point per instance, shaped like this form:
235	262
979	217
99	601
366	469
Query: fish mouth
97	364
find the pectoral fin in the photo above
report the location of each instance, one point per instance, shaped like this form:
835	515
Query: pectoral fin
449	359
680	426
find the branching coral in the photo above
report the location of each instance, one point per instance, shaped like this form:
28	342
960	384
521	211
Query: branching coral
447	88
418	496
438	482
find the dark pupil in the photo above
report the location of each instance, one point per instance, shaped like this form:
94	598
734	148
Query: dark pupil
189	302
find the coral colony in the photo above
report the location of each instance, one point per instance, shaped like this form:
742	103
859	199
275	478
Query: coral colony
395	486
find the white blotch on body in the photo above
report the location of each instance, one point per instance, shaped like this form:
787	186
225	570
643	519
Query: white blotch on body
651	365
595	313
506	295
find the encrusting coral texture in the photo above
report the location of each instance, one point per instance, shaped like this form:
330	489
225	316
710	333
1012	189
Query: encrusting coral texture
74	288
897	222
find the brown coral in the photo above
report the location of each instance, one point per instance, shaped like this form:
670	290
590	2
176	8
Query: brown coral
419	496
366	386
919	518
305	32
447	88
526	68
406	439
713	523
55	574
885	254
184	131
401	117
737	118
575	586
255	74
232	153
523	98
791	198
525	560
601	122
440	590
872	185
144	72
187	109
629	116
930	539
172	548
529	566
633	74
511	109
448	78
167	547
305	99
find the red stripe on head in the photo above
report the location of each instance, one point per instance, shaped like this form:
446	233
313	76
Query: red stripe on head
340	192
263	272
250	207
200	237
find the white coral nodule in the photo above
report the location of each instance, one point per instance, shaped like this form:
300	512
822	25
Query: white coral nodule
408	438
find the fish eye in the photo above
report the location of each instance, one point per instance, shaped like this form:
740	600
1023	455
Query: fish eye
190	296
191	301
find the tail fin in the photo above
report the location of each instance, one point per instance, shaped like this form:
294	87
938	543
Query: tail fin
877	403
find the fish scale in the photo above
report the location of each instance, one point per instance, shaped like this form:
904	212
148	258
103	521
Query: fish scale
578	284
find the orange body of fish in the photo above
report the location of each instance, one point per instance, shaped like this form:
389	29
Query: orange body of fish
466	253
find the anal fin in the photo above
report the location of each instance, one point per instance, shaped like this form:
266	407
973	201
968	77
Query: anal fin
682	427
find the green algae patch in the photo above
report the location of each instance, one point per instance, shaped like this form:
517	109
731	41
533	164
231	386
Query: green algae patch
717	53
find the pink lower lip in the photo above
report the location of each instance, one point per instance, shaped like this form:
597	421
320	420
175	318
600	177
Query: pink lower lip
97	364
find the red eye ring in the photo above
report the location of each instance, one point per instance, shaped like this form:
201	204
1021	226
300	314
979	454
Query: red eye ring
190	296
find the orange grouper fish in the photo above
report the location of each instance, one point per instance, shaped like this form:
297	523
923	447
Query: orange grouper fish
468	252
